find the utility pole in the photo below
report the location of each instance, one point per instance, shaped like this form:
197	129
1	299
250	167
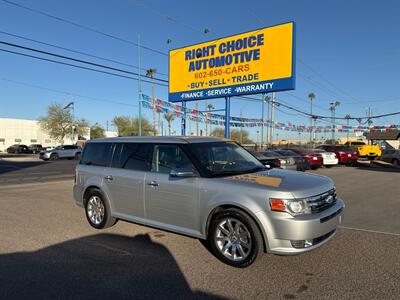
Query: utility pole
139	90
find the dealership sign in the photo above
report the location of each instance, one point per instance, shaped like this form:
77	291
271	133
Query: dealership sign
254	62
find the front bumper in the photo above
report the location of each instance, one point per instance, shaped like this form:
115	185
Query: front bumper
44	155
331	161
282	231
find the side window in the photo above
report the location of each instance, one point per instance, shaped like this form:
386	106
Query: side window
96	154
168	157
132	156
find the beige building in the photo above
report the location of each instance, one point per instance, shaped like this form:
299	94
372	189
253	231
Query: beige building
19	131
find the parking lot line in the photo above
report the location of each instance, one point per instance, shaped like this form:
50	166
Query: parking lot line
371	231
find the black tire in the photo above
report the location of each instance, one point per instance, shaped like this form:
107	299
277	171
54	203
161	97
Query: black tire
256	240
53	156
107	220
396	162
77	155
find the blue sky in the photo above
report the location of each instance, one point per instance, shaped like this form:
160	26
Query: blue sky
346	50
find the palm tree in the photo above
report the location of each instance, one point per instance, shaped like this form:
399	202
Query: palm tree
169	118
150	73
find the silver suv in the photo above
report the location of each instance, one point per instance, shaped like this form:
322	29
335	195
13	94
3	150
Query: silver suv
65	151
208	188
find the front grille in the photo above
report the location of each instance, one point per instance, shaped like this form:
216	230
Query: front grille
322	201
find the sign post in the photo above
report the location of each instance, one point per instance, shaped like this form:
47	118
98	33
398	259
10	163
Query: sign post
227	117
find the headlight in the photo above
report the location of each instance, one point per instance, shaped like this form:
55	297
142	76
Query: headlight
292	206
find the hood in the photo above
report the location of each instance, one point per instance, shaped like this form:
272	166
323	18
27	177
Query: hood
299	184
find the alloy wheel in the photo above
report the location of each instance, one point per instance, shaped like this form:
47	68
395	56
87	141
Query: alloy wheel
233	239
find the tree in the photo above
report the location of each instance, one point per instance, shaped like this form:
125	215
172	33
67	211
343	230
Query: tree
235	135
127	126
169	118
96	131
150	73
59	123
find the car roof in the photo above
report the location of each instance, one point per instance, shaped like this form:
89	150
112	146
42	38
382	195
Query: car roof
161	139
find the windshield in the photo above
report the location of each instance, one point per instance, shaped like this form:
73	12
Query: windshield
224	158
287	153
270	153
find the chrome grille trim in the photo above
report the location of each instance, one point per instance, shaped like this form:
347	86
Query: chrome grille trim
322	201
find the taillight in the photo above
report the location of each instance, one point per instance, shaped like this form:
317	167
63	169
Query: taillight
277	164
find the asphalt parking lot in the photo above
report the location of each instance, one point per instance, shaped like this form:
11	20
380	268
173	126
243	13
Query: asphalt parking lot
47	249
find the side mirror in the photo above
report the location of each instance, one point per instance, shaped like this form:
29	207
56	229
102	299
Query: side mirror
182	172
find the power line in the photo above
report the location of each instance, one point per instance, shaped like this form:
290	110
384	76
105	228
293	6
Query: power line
169	18
77	66
67	93
75	59
76	51
82	26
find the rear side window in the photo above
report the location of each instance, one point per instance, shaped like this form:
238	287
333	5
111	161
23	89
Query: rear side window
168	157
96	154
132	156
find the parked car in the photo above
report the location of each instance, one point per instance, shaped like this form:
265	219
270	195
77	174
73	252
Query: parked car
329	158
363	150
345	155
287	163
301	161
18	148
65	151
269	162
315	160
391	156
35	148
207	188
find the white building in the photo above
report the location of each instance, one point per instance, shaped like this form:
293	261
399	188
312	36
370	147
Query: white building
19	131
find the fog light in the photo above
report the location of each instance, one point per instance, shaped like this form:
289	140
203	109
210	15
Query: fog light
300	244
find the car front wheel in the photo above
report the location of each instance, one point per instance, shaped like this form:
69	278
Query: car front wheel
54	156
235	238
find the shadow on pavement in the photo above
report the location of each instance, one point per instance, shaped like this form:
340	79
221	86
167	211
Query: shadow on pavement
9	166
96	267
378	168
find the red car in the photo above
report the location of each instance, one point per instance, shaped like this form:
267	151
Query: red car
345	155
315	160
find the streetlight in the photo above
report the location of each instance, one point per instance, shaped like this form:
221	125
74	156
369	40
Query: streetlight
72	107
348	117
312	97
332	108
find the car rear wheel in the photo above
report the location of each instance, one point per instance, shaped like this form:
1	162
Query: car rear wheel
54	156
235	238
396	162
98	211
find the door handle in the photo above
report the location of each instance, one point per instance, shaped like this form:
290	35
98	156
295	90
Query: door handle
153	183
108	177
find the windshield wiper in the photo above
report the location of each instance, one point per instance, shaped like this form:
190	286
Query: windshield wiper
241	171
